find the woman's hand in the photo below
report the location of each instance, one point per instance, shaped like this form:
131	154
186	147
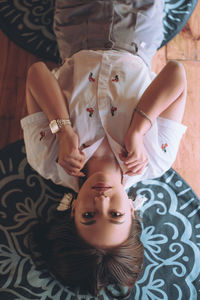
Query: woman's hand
135	158
70	157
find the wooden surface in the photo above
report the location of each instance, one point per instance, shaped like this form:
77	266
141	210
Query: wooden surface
185	47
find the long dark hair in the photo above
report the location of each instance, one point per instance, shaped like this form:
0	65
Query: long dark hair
76	263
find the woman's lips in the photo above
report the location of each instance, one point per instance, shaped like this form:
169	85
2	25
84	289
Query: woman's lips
102	184
101	187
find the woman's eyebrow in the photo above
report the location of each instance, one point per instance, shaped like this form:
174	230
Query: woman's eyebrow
94	221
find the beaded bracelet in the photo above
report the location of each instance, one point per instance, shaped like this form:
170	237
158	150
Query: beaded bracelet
143	114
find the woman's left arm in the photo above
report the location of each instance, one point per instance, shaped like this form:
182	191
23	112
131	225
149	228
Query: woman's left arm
165	96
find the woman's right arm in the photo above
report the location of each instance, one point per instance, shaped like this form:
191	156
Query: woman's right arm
44	93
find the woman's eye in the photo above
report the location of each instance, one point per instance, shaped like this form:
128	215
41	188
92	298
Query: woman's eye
88	215
116	214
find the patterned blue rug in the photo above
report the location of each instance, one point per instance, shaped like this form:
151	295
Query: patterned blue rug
171	235
29	23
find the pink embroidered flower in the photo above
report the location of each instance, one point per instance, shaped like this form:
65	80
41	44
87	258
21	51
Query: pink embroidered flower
91	78
90	110
164	146
42	135
113	110
116	79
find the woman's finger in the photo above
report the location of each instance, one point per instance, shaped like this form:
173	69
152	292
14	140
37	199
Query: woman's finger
75	165
75	173
79	174
136	170
72	162
70	167
132	157
77	157
136	163
81	155
131	173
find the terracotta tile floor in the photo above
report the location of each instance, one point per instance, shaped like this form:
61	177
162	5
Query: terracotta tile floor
185	47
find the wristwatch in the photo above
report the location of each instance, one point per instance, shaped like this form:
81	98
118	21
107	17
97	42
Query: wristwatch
55	125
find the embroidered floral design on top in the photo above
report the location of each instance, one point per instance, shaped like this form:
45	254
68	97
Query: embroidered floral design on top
116	79
113	110
90	110
164	146
42	135
91	78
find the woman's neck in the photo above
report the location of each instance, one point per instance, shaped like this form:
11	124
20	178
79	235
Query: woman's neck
103	160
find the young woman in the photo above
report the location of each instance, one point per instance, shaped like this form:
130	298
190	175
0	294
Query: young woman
102	117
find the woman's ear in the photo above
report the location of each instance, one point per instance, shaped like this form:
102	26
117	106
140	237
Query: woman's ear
73	207
131	205
124	179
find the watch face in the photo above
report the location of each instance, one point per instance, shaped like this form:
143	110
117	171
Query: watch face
54	126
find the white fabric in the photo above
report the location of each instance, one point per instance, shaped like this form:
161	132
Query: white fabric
139	201
100	91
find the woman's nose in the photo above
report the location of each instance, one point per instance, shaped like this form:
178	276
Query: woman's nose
102	203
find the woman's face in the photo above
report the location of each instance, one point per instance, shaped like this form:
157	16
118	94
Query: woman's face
102	211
